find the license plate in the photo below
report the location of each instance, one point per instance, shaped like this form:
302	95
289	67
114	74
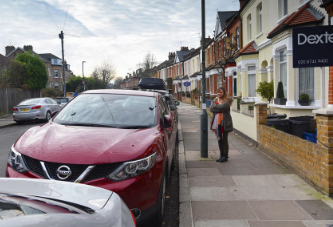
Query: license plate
24	110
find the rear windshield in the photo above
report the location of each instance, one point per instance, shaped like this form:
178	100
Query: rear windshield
61	100
29	102
120	111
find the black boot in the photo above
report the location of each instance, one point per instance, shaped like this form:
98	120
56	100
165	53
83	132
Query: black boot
221	156
224	158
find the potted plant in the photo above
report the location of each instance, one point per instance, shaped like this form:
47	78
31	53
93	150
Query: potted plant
304	100
266	90
280	100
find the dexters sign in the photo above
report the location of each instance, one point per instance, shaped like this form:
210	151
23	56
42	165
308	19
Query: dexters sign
313	46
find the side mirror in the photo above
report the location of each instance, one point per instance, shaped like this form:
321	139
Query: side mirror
167	121
54	113
58	102
177	103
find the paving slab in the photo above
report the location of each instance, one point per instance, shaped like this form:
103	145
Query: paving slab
287	179
236	171
184	194
254	180
211	194
183	181
221	223
298	192
195	172
279	210
317	209
276	224
321	223
224	210
254	193
204	164
185	215
211	181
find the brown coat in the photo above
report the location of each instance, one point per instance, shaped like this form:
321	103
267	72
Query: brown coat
225	108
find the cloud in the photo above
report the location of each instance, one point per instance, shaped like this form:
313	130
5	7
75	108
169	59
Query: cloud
123	31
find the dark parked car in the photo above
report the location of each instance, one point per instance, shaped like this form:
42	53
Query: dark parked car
120	140
62	101
28	202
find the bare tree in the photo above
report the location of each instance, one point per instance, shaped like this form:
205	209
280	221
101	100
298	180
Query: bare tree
224	53
148	64
117	81
105	72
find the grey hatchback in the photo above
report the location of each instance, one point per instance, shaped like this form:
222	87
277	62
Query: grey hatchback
35	109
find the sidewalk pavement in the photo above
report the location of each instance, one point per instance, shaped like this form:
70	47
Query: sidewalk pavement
250	190
7	121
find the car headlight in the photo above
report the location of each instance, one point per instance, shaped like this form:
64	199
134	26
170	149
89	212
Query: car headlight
133	168
15	160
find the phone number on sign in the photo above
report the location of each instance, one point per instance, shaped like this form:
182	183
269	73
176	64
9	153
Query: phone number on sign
312	61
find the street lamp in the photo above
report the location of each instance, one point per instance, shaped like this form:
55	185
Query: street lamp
84	83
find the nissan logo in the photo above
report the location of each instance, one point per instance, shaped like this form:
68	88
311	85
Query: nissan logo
63	172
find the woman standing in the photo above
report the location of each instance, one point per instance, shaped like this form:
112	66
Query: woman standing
222	122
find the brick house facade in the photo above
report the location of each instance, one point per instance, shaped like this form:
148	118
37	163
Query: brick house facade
53	65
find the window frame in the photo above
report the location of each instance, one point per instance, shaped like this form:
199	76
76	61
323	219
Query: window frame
260	28
280	63
55	72
251	72
249	24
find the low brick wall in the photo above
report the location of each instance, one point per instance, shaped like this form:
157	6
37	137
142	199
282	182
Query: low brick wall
313	162
300	155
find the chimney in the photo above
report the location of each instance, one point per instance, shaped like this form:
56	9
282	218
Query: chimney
241	3
28	48
9	49
171	55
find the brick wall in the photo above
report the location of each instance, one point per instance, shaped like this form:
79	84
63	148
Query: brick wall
312	161
330	87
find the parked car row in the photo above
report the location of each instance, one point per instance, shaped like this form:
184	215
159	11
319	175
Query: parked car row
118	140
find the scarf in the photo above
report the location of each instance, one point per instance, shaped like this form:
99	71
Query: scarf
220	116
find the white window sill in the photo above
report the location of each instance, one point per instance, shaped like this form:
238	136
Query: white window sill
284	17
295	107
260	34
56	77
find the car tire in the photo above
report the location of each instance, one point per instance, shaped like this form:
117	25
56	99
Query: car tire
158	219
48	116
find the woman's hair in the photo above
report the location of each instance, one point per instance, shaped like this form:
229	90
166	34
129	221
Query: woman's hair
225	95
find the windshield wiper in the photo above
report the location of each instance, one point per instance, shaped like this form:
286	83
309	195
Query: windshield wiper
89	124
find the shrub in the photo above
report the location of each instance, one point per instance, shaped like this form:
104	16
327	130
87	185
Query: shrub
266	90
304	97
280	92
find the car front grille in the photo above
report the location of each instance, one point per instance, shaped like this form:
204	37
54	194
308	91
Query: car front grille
99	171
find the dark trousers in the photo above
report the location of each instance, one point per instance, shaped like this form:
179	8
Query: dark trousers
224	144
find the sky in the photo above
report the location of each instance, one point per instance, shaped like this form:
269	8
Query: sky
117	31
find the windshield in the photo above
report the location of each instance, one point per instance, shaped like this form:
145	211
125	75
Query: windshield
121	111
29	102
61	100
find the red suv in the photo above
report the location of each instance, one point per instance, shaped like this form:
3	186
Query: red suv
123	141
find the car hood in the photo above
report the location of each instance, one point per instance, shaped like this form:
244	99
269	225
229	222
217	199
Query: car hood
81	194
53	142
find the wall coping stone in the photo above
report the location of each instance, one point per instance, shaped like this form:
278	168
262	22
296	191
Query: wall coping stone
326	111
260	103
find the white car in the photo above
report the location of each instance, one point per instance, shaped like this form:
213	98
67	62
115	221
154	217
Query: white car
28	202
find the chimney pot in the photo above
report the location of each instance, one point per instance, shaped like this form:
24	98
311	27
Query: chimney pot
28	48
9	49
